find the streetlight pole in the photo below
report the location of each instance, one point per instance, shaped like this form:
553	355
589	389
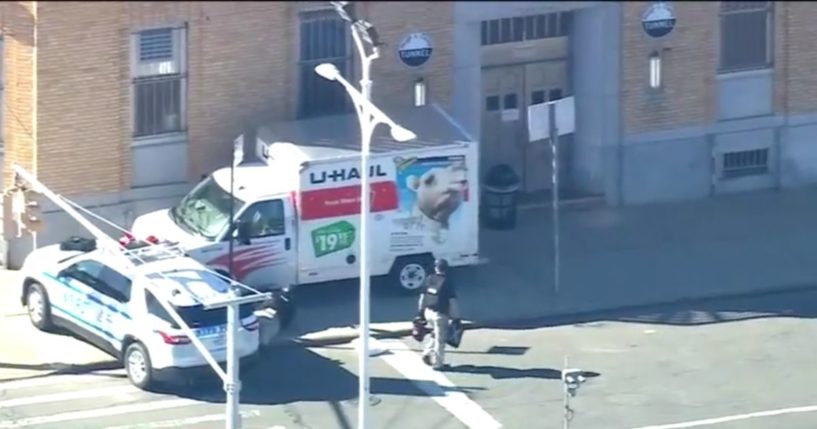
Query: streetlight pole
369	117
366	129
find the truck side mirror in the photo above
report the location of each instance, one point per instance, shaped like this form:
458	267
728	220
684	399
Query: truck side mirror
242	232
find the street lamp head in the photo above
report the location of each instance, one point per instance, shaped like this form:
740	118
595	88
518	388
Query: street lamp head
401	134
347	14
327	71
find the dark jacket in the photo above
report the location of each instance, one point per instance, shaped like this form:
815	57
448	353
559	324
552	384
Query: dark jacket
438	293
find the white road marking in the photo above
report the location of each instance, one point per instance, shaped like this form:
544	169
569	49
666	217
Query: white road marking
185	422
55	379
436	385
67	396
96	413
728	419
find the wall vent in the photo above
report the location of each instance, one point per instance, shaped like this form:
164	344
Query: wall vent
744	163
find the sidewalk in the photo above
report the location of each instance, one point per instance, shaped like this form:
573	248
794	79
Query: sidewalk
10	293
632	256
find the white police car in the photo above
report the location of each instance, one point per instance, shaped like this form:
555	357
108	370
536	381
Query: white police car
89	294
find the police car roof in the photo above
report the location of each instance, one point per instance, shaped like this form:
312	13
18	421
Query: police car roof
183	281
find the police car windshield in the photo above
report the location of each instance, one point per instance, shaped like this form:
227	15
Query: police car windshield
194	316
205	211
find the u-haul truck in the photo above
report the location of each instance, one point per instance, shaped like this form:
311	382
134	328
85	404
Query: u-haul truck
297	215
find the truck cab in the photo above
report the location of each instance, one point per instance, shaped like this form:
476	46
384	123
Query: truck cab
264	252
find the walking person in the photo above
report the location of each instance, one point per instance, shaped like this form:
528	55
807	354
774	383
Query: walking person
438	305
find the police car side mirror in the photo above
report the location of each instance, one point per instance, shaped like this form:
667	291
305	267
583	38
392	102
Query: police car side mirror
242	232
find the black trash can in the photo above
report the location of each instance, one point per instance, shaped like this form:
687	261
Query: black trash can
499	197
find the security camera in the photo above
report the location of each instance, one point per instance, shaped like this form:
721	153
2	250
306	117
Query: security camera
573	378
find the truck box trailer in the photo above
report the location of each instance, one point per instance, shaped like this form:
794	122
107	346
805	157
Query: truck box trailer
300	210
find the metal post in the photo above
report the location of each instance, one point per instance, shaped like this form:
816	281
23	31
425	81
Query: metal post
233	386
567	414
554	141
366	126
232	214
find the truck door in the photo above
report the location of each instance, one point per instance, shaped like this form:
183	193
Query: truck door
268	260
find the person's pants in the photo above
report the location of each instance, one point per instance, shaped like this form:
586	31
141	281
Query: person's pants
435	347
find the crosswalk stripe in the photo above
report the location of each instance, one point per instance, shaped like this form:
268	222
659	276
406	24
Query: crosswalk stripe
56	379
441	390
175	423
68	396
96	413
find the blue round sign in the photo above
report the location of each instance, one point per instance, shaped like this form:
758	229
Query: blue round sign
415	49
658	20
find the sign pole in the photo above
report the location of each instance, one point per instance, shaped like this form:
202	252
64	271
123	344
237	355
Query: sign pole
232	387
554	141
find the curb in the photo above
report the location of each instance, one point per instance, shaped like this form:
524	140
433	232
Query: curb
573	202
403	329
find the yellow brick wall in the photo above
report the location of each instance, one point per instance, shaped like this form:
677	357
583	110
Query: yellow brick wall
394	81
689	69
797	61
242	70
82	100
240	73
18	124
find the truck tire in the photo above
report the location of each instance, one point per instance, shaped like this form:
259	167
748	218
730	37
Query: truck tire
408	274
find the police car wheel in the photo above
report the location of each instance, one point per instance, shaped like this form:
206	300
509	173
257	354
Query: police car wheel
138	366
38	307
410	273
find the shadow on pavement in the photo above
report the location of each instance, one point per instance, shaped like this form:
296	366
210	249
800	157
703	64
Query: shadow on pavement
795	303
293	373
501	373
59	368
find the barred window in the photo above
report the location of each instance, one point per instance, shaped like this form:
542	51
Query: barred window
543	26
159	81
746	35
324	38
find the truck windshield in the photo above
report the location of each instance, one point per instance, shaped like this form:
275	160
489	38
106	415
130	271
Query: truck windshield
205	211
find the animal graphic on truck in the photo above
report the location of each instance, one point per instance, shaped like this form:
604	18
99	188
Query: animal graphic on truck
440	186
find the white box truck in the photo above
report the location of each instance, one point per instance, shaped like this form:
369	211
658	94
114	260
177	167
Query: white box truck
297	214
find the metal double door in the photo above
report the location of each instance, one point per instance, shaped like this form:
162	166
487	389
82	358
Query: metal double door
507	92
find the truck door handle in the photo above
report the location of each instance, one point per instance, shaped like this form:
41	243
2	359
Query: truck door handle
287	243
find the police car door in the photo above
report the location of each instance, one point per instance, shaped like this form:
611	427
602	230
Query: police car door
268	259
96	306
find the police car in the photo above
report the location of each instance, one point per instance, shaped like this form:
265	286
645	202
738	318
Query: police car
89	293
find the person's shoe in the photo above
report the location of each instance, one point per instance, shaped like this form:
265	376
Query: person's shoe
427	360
440	367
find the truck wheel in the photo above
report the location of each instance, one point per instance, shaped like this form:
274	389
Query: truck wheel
138	366
38	307
409	273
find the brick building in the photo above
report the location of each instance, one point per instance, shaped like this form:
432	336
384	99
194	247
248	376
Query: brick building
123	105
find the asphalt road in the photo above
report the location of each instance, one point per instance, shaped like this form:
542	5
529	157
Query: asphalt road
728	364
